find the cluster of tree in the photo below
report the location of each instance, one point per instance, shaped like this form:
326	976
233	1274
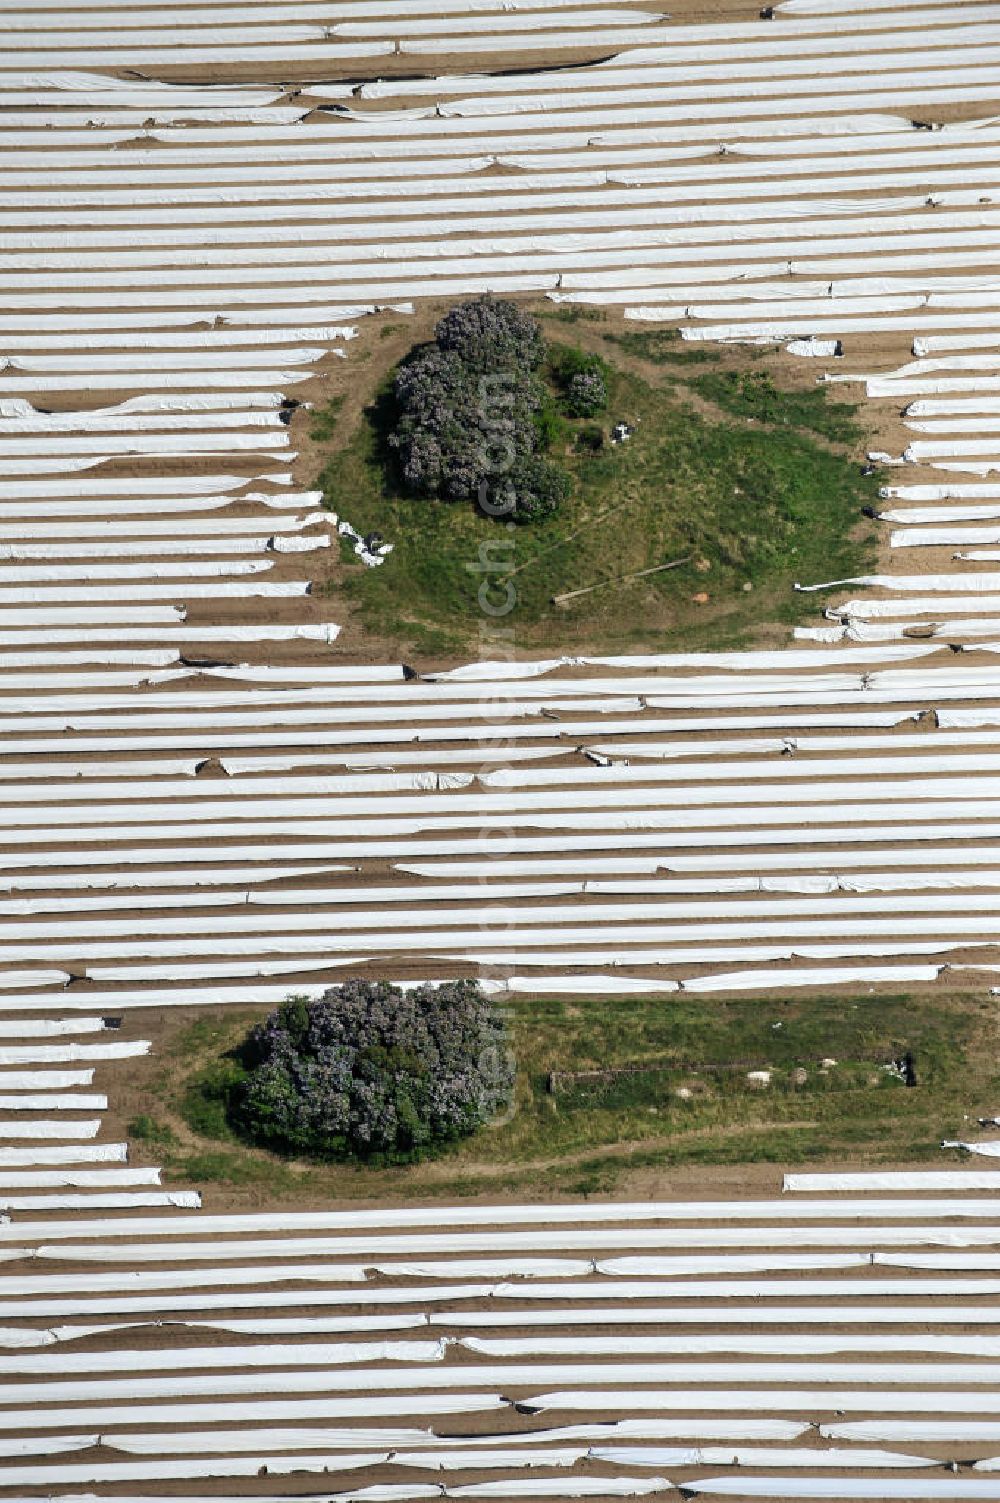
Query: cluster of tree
474	415
372	1071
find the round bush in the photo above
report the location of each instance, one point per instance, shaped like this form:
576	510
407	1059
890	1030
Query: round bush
370	1071
535	489
586	394
590	439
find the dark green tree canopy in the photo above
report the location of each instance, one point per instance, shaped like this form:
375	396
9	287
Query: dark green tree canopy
370	1070
469	412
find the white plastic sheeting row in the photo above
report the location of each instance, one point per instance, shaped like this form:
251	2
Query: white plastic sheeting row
828	1376
941	906
793	881
603	1314
546	1344
593	1285
987	1149
111	1249
109	1200
256	1355
558	1214
845	1487
604	1282
76	1179
93	593
497	1459
757	1400
75	1101
32	1054
44	1080
93	1153
892	1179
48	1027
150	48
284	1440
931	1433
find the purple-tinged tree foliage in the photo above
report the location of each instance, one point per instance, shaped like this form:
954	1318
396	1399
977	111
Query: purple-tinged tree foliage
492	335
468	409
586	394
536	488
450	420
372	1071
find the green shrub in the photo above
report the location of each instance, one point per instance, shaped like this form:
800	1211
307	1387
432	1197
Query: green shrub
575	313
534	490
753	394
582	380
568	360
551	427
590	439
207	1104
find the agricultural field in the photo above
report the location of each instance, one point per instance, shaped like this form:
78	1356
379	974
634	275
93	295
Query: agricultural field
682	771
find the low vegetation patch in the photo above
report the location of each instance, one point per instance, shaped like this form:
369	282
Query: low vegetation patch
146	1129
743	483
753	394
664	347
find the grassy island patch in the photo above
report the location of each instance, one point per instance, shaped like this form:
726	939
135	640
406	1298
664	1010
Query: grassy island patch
742	482
609	1088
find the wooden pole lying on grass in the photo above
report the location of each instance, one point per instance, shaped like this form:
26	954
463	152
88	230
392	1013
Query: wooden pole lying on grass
621	580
